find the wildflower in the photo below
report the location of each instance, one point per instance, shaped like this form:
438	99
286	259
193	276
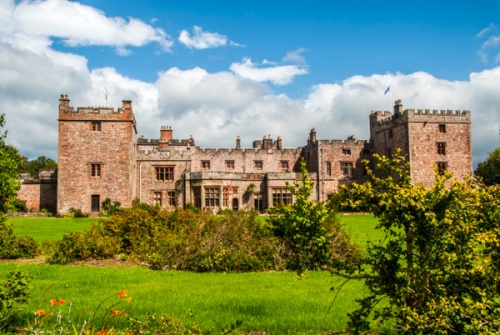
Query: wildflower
102	332
115	312
41	312
128	299
122	294
62	301
53	302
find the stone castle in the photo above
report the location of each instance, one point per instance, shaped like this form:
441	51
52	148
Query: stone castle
100	156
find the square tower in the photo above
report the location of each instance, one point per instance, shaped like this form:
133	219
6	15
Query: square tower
96	156
427	138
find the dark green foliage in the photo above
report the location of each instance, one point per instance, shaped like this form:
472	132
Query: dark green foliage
76	213
489	170
13	247
14	293
437	270
180	239
83	245
110	208
311	233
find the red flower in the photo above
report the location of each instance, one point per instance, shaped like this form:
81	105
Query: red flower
53	302
102	332
41	312
122	294
62	301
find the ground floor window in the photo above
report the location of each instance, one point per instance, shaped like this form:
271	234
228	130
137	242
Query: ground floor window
95	203
197	197
441	167
212	196
171	198
225	196
258	202
157	198
282	196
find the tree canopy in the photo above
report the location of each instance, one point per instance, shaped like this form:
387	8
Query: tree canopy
10	162
489	170
33	167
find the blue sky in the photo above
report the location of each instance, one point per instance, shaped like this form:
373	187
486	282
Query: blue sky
221	69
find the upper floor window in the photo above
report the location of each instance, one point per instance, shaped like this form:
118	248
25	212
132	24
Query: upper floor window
346	169
284	165
96	126
328	168
95	170
164	173
442	128
230	165
441	148
258	165
390	133
346	152
205	165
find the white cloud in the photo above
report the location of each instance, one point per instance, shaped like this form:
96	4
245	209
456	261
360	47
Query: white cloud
295	56
217	107
76	25
202	39
278	75
486	30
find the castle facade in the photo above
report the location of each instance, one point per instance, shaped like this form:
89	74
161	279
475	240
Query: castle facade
100	156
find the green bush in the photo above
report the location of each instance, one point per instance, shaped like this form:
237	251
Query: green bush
181	239
14	293
13	247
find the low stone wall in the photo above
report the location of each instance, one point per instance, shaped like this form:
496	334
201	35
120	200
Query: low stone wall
39	196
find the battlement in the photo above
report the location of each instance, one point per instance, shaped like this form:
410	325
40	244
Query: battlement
408	114
67	112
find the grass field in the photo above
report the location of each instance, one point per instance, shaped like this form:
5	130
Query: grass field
48	228
274	302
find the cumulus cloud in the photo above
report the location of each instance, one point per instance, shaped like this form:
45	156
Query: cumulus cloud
76	25
276	74
202	39
216	107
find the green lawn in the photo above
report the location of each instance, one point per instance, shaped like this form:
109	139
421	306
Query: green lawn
48	228
274	302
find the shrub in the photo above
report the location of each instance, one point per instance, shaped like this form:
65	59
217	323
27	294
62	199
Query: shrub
14	293
12	247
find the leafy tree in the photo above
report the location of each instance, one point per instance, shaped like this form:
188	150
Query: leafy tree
437	270
312	234
10	161
34	166
489	170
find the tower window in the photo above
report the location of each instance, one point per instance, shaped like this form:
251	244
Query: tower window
205	165
442	128
95	170
96	126
346	152
441	148
230	165
258	165
441	167
284	165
